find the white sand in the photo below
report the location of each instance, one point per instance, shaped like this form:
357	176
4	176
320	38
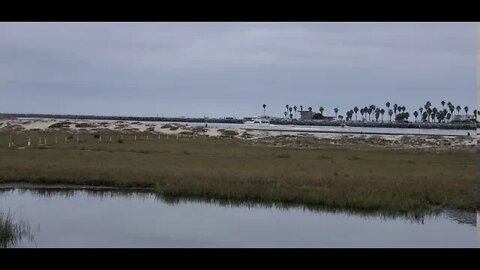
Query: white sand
43	124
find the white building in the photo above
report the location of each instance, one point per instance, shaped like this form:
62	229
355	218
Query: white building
463	118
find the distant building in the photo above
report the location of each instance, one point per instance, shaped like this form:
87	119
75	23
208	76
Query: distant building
306	115
310	115
463	118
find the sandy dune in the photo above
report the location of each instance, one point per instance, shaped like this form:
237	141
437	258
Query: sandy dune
278	138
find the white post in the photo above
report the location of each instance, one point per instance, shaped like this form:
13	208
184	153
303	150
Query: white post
159	136
56	140
135	137
167	136
100	138
147	137
45	140
29	142
177	137
39	140
66	139
110	138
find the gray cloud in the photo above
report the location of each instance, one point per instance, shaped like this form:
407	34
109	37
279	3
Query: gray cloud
219	69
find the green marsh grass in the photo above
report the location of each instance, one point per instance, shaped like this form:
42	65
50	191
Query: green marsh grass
393	181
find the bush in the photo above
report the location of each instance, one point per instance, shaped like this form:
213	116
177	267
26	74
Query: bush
228	132
60	125
84	125
120	141
96	136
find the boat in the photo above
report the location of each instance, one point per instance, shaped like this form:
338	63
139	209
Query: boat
257	121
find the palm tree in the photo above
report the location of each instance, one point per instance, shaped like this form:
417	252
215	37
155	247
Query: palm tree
440	116
449	116
390	113
395	108
466	110
382	111
291	115
295	108
264	106
443	104
287	106
425	116
310	109
336	111
285	112
429	112
421	110
459	108
321	109
451	108
428	104
388	105
290	109
475	114
301	107
356	111
349	115
373	109
415	113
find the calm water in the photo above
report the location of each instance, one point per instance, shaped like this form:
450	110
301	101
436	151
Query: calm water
110	219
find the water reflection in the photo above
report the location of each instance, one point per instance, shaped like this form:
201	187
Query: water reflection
119	218
103	193
11	232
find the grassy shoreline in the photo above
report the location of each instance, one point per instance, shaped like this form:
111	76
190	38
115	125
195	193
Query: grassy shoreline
384	180
12	232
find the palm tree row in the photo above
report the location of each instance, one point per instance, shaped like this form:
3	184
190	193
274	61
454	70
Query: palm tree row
288	110
427	113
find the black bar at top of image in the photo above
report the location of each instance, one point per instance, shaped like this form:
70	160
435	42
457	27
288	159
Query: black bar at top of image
196	11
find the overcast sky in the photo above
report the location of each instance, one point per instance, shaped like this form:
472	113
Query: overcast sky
231	69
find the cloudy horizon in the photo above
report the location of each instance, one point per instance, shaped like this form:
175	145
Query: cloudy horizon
231	69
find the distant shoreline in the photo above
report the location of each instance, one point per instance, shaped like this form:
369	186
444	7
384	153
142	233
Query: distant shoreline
457	126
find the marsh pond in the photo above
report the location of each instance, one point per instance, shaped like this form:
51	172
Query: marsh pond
108	218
